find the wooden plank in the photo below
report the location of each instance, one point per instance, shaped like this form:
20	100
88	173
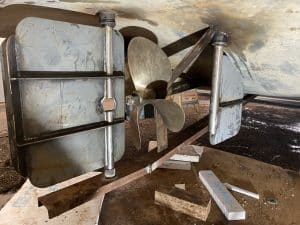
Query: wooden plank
183	202
180	186
127	171
161	133
226	202
176	165
185	158
152	145
22	208
240	190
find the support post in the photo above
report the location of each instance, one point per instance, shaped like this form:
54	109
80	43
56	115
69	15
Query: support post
219	42
107	19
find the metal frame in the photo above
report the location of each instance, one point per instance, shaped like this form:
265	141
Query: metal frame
19	142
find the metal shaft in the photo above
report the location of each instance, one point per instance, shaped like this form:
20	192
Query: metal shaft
220	42
107	19
214	102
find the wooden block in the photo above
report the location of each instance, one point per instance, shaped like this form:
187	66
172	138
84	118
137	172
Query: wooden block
183	202
226	202
180	186
197	149
152	145
176	165
22	208
161	133
192	150
185	158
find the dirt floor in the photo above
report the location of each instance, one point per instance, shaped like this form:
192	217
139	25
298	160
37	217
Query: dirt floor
134	203
269	133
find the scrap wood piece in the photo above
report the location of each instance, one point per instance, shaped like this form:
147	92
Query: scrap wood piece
198	149
183	202
226	202
189	153
22	209
176	165
161	133
240	190
74	195
180	186
185	158
152	145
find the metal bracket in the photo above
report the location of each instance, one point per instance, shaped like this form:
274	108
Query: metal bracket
226	95
107	19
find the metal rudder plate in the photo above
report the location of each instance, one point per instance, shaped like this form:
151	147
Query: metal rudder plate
57	87
229	113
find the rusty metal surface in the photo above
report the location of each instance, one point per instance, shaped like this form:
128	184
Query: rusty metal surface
264	35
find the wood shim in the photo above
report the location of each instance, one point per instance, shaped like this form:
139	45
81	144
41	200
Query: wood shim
152	145
185	158
22	208
180	186
226	202
183	202
176	165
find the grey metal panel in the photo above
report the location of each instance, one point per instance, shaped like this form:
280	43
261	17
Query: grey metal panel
229	123
231	87
69	156
49	105
47	45
58	118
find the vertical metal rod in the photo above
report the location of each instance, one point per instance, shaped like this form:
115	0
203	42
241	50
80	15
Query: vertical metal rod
220	39
108	20
216	75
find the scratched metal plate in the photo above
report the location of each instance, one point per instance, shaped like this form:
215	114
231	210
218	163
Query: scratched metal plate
229	117
61	119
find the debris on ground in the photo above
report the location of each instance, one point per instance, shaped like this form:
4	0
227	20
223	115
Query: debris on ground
152	145
185	158
176	165
226	202
240	190
271	201
182	201
180	186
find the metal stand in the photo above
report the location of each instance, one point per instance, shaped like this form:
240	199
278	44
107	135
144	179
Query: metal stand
107	19
219	42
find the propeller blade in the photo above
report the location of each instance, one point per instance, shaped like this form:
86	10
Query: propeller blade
172	115
147	64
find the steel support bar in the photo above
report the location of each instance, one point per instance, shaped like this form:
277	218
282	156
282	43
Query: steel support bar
219	43
108	20
67	198
192	54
